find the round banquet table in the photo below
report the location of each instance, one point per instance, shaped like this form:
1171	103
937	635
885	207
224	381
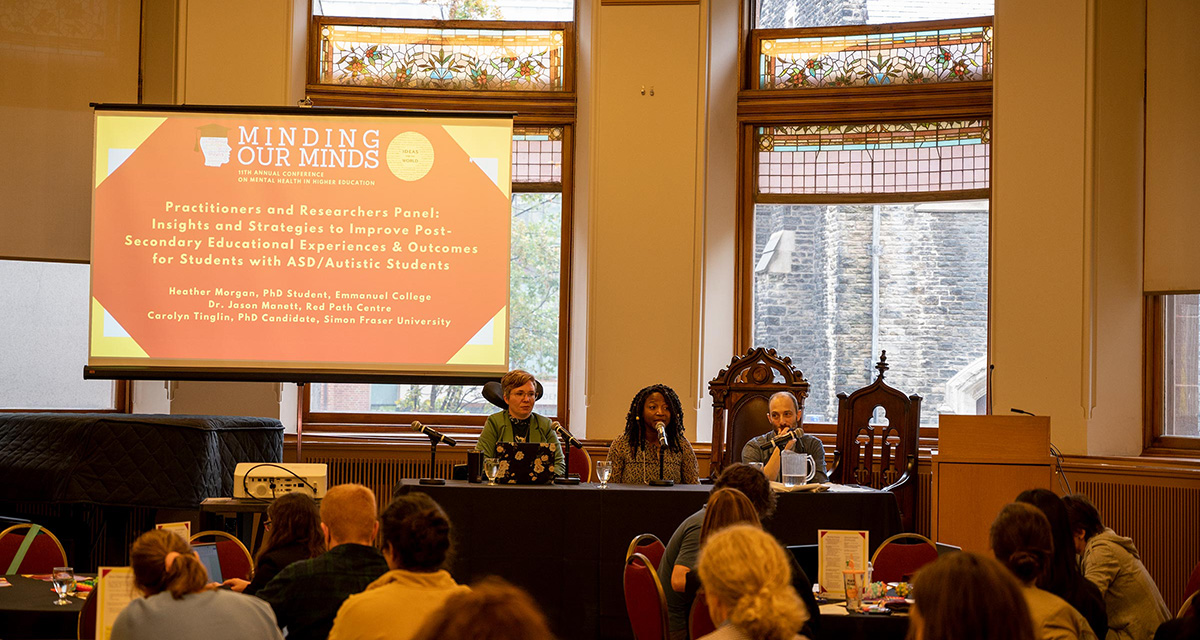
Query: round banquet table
26	611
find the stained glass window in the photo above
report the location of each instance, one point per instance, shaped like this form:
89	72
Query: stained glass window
408	57
858	58
537	154
873	158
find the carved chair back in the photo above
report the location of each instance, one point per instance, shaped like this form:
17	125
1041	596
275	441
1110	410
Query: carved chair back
877	438
740	393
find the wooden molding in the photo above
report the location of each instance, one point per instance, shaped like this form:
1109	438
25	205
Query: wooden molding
630	3
851	105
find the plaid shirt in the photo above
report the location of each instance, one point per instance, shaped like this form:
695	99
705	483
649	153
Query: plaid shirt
306	595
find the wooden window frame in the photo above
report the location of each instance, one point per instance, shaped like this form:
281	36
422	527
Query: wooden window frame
1154	356
122	402
832	106
531	109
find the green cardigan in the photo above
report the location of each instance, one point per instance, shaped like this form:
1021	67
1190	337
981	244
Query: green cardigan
498	428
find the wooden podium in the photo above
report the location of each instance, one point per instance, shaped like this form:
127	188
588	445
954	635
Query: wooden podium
983	463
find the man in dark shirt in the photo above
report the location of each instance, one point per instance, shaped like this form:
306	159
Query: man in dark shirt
306	595
784	413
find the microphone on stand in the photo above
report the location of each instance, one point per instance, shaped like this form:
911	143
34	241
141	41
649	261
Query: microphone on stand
571	440
434	435
662	432
662	450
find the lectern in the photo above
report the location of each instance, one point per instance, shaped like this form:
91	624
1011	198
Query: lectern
981	464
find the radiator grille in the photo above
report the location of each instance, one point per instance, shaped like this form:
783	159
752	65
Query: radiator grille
924	500
1163	524
383	474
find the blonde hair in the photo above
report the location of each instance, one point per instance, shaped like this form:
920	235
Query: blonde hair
745	569
154	574
348	511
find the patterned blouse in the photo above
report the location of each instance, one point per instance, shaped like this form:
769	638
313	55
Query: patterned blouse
679	466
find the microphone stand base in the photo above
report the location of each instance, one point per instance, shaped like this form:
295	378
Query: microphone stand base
566	481
662	483
433	481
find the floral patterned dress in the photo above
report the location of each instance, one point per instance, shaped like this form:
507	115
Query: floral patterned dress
627	468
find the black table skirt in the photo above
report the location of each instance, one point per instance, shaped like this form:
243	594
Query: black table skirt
566	544
26	611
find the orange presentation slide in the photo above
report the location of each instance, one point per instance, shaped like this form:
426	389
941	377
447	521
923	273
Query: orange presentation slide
302	239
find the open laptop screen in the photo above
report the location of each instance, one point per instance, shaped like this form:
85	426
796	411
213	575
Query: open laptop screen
210	559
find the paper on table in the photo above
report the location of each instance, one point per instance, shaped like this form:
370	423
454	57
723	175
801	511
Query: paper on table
813	487
183	529
116	592
835	550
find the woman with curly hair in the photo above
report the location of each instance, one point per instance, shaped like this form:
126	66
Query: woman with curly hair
635	453
748	586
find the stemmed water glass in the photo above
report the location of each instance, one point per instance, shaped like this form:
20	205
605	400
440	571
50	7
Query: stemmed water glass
603	471
491	469
63	578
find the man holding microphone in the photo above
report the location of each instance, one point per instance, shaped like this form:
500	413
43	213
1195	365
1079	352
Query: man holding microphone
783	410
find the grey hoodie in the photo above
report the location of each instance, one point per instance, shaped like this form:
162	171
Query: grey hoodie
1135	606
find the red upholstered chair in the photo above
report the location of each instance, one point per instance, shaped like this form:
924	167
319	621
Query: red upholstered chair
649	546
700	622
43	554
1193	583
899	557
235	558
581	463
645	601
85	628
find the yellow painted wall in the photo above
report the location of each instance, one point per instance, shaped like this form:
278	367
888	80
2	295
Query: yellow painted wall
642	254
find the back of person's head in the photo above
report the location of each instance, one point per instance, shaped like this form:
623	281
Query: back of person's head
727	506
416	532
348	512
744	568
492	610
751	482
1062	569
1083	515
966	595
294	519
1020	539
163	561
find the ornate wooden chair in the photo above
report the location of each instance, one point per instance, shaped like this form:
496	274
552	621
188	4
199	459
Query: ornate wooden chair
740	393
880	452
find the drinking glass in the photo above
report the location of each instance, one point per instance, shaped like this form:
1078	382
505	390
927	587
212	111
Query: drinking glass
63	579
603	471
491	469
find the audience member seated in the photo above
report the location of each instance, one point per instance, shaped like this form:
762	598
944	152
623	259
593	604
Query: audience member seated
966	595
306	595
492	610
519	423
416	539
727	506
1020	538
178	602
683	550
293	534
786	416
748	586
1134	605
1062	576
635	453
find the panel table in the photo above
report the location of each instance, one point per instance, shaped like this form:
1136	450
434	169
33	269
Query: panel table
566	544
